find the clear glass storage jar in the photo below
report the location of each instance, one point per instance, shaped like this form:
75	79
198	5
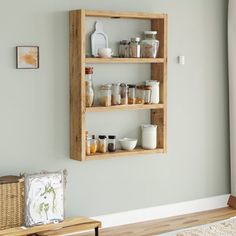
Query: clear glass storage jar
102	143
111	143
105	95
131	96
124	93
89	86
139	94
123	47
155	96
134	47
147	94
116	97
88	141
150	45
93	145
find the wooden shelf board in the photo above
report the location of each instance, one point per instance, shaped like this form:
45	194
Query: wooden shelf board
130	15
122	153
125	107
124	60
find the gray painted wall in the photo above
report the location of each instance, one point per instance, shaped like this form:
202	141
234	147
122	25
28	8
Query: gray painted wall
34	107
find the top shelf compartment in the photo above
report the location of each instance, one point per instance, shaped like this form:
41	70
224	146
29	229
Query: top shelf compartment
127	15
124	60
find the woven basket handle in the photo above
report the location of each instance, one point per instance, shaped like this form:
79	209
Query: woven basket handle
10	179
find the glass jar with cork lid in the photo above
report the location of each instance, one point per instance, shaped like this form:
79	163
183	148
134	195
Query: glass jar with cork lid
89	86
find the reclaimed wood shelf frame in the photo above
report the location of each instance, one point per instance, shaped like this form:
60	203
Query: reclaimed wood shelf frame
78	61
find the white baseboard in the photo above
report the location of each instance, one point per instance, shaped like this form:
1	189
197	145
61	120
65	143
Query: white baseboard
164	211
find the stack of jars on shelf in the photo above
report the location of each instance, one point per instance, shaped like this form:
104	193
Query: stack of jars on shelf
102	144
121	93
147	48
128	94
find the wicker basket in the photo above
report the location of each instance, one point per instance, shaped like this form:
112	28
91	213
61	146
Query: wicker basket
11	201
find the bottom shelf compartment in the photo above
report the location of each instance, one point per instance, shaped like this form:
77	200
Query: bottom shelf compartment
122	153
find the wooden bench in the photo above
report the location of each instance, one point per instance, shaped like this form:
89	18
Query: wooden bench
70	225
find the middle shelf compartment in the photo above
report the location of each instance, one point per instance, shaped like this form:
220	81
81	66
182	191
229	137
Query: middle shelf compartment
125	107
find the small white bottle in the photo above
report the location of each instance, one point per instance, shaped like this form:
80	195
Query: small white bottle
149	136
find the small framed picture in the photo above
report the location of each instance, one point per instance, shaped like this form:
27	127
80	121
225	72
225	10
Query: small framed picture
27	57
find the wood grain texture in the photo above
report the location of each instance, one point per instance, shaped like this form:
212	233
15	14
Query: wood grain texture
129	15
77	82
18	231
159	73
125	107
77	85
122	153
123	60
150	228
71	229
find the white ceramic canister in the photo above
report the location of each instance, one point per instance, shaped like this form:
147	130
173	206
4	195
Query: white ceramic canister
149	136
155	95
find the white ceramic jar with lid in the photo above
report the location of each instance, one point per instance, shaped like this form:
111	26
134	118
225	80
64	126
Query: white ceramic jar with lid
155	95
149	136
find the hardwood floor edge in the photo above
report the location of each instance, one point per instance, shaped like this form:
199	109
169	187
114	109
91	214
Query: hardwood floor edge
163	211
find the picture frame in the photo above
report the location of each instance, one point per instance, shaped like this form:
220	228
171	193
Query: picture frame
44	198
27	57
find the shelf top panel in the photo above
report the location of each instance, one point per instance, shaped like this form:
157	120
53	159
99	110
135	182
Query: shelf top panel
124	60
125	107
130	15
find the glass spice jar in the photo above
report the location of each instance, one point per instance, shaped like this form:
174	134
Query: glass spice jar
87	143
124	93
93	145
131	96
116	97
122	47
147	94
89	86
126	48
134	47
105	95
139	94
149	46
111	143
102	143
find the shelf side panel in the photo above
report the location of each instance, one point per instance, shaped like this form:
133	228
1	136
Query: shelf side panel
77	88
159	73
160	25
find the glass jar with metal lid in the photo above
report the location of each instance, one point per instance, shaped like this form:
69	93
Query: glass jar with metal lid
131	96
111	143
116	98
150	45
124	48
105	95
134	47
102	143
124	93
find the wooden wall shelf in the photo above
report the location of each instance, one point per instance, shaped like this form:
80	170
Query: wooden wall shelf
78	61
125	107
124	60
123	153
